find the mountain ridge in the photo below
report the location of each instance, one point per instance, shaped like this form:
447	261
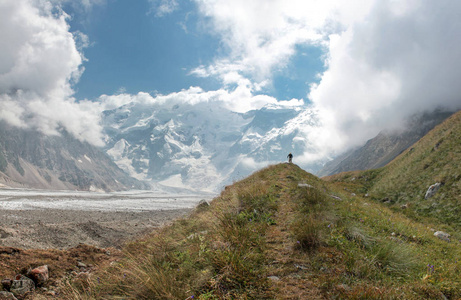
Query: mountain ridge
29	159
283	233
198	146
387	145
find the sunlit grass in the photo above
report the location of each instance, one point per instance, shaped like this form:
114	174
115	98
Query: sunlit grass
347	247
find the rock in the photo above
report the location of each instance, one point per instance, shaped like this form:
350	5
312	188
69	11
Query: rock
432	190
203	204
353	194
305	185
39	275
81	265
6	283
22	285
301	267
343	287
273	278
7	296
404	206
335	197
442	235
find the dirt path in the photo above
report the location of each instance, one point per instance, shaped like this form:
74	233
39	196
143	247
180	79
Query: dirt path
288	264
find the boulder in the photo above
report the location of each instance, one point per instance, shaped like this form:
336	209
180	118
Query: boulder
442	235
305	185
22	285
335	197
432	190
39	274
273	278
7	296
203	204
6	283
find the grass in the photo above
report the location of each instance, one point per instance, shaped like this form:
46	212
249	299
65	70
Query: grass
279	234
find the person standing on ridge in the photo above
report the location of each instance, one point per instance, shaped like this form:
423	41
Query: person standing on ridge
290	157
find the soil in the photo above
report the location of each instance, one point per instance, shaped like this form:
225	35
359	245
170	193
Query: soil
71	243
62	229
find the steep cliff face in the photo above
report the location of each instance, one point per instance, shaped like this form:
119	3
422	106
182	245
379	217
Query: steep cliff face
386	146
34	160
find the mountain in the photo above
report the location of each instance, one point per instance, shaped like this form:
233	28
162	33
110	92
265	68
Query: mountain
201	146
33	160
386	146
434	160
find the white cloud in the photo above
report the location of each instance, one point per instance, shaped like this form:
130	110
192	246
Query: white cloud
240	100
261	36
401	59
163	7
385	59
38	62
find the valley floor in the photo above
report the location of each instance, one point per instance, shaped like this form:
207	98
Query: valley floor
34	219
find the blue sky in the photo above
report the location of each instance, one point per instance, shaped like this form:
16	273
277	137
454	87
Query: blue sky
132	49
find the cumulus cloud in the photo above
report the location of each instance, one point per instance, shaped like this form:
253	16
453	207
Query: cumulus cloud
385	59
239	100
38	63
400	60
261	36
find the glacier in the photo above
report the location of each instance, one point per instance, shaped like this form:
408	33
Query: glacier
202	146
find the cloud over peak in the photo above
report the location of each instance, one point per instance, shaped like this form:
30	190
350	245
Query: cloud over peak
401	59
40	60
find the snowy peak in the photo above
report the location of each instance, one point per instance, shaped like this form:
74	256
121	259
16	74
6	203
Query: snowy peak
201	146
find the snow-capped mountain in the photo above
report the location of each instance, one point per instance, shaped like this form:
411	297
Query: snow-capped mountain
201	146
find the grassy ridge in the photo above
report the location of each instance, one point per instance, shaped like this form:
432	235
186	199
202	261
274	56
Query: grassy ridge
435	158
404	182
282	233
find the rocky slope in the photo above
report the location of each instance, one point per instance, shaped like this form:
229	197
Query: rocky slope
386	146
33	160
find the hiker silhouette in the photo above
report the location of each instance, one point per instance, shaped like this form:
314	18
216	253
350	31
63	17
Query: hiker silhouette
290	157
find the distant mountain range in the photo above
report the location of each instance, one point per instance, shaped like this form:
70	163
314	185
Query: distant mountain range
33	160
204	147
198	147
201	146
387	145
